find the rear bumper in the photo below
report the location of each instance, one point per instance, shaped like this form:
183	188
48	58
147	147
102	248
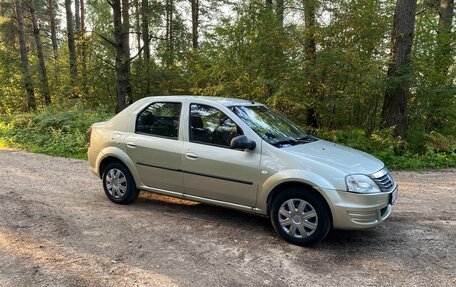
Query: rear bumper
359	211
92	155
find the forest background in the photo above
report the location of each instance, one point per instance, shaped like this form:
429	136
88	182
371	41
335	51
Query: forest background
377	75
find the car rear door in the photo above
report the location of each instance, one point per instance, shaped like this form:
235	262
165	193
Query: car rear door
156	145
211	169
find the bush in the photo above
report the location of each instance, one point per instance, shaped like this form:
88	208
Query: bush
51	131
438	152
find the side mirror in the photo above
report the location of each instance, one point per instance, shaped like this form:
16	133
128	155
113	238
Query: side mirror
242	143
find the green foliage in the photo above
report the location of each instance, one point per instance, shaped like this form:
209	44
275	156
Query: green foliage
245	51
52	131
440	151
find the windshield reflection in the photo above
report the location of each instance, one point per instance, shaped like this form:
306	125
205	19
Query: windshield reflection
271	126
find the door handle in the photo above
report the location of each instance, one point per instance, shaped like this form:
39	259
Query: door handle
191	155
131	145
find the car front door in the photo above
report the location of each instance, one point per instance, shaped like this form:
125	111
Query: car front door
156	148
213	170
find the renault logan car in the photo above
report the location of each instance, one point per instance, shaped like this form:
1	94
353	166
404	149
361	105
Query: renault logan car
240	154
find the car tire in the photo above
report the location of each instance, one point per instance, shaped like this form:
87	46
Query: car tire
300	216
118	184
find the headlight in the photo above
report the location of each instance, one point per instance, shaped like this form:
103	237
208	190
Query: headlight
361	183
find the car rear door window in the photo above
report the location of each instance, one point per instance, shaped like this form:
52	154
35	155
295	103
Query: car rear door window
209	125
160	119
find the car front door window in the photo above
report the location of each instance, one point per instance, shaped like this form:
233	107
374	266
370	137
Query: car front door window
209	125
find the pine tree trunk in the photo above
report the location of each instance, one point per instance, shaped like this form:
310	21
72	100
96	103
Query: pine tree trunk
39	51
195	23
82	15
71	42
77	16
31	103
280	12
83	51
137	26
53	30
145	28
394	112
126	48
310	47
441	84
145	38
443	56
169	32
121	35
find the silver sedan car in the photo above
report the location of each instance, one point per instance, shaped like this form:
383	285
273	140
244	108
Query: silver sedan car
240	154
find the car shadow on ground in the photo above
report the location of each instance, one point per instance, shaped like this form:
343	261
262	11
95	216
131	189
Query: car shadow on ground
253	225
200	211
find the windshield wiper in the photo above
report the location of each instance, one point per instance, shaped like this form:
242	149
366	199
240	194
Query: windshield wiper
287	141
306	137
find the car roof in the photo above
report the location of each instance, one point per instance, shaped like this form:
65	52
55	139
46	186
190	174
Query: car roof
221	100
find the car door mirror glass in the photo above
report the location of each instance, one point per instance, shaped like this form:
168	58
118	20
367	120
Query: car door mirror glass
242	143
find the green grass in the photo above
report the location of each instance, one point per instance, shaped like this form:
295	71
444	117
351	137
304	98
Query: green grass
65	132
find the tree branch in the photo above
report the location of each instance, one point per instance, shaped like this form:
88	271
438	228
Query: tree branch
423	11
142	48
107	62
106	39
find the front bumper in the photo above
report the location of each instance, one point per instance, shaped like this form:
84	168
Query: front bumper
359	211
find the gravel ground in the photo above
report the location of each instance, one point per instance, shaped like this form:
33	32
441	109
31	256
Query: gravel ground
57	228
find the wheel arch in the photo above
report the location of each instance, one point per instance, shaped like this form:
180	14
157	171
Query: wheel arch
113	154
302	185
107	160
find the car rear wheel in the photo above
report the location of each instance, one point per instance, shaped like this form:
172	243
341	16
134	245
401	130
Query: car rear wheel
300	217
118	184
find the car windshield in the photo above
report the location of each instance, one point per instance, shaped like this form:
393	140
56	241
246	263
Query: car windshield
271	126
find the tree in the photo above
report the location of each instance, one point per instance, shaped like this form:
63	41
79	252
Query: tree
83	49
280	12
31	103
195	23
126	47
310	51
121	43
394	112
438	113
51	12
443	57
169	32
39	51
145	38
77	16
71	42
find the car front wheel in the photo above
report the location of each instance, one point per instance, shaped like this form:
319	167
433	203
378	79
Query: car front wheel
300	217
118	184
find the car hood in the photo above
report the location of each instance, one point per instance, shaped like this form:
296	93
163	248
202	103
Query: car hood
337	156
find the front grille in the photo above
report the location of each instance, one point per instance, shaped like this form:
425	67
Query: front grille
384	180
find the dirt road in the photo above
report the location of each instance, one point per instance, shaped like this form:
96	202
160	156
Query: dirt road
57	228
